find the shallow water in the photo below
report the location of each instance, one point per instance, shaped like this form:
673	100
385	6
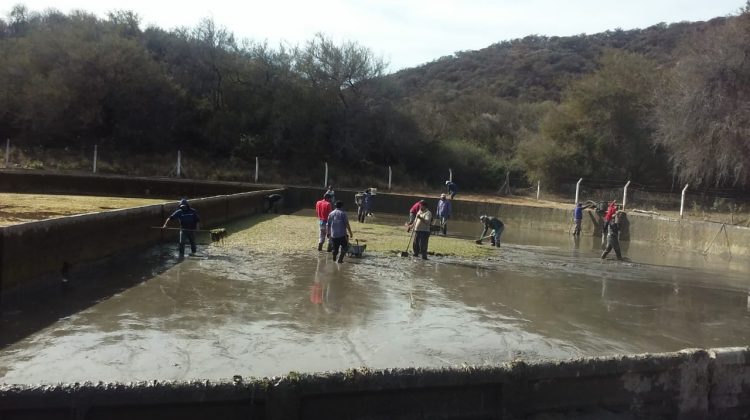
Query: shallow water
230	311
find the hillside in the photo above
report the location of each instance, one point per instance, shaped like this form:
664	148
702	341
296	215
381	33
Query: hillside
537	68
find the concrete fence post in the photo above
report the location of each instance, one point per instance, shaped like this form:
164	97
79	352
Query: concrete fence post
538	189
625	195
7	153
95	153
578	187
256	169
682	200
390	177
179	163
325	179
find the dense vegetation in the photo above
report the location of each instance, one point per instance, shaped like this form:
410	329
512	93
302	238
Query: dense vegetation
649	105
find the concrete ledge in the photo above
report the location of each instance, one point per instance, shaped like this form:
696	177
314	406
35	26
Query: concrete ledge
33	253
692	236
683	384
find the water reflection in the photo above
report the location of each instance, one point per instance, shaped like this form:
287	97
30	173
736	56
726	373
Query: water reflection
261	314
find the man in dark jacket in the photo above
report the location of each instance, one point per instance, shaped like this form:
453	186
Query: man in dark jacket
452	188
189	222
497	227
613	237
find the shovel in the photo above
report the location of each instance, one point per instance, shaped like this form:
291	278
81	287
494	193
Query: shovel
479	241
406	253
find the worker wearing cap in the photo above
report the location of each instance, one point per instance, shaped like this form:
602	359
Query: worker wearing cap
444	212
189	222
422	222
497	227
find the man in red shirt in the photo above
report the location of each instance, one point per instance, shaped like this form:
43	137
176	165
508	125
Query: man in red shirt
323	208
611	211
413	214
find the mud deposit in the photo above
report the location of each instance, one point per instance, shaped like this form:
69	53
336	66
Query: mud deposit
254	311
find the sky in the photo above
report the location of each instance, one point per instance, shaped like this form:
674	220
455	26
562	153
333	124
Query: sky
406	33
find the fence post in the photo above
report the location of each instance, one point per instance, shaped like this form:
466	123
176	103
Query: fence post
95	153
538	188
256	169
450	174
7	153
682	200
625	195
390	177
578	186
325	180
179	163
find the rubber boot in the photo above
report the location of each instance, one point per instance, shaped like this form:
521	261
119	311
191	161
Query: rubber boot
341	258
320	246
334	257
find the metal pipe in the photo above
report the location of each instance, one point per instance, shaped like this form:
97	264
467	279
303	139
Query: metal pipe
179	163
390	177
256	169
578	186
7	153
450	174
538	187
682	200
325	180
625	195
94	169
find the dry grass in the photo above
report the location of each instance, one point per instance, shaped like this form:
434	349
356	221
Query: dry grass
22	208
288	234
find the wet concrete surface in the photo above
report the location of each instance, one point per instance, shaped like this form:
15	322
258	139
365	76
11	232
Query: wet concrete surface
243	312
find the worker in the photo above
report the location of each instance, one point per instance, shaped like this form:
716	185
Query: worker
613	237
359	200
452	188
413	214
338	225
273	202
577	219
189	223
332	193
444	209
497	227
422	221
323	208
611	210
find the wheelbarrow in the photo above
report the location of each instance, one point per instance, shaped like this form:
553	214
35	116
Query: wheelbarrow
356	250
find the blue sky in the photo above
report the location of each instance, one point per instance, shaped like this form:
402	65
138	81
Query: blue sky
405	32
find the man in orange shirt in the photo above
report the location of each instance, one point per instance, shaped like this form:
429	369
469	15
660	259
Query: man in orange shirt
323	208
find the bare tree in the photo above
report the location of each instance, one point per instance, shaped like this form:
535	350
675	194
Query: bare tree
703	114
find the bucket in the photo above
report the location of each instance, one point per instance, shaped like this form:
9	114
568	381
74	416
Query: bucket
356	250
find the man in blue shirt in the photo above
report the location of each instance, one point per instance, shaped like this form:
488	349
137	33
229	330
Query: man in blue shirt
444	213
338	225
577	219
189	222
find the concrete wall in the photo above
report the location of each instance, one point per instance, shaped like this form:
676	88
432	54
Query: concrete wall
20	181
33	253
693	236
691	384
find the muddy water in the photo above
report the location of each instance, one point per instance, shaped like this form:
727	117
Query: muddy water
231	312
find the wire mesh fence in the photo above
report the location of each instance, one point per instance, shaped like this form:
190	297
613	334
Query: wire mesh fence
725	205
